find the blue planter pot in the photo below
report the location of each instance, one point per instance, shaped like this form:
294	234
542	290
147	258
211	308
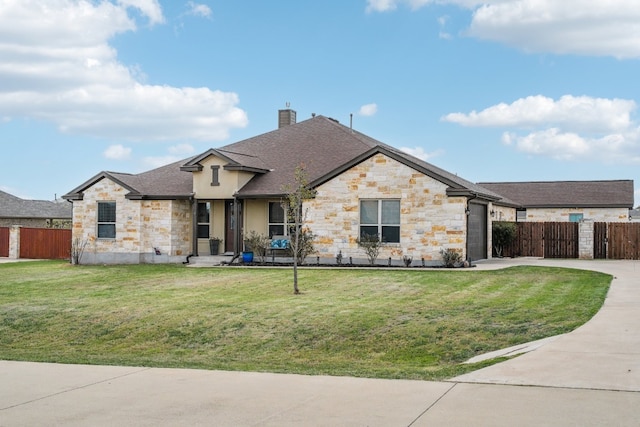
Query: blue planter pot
247	257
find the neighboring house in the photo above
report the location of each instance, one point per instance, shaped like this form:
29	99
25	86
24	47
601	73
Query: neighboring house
362	186
33	213
634	215
607	201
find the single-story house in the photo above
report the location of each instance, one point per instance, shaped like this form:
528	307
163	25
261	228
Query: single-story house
34	213
362	186
573	201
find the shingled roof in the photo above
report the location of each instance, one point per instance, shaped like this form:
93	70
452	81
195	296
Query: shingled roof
575	194
15	207
166	182
326	148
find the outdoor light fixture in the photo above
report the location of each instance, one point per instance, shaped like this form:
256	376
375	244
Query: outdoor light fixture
493	213
467	211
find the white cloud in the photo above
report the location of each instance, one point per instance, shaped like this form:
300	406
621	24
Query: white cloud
117	152
592	28
155	162
368	110
576	112
571	128
381	5
442	22
180	149
595	27
420	153
150	8
199	10
49	73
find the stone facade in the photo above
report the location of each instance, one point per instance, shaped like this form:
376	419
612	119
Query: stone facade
562	214
147	231
430	220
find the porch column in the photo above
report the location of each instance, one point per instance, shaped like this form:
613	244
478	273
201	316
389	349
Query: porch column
194	226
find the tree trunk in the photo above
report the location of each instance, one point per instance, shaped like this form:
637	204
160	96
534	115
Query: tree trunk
296	239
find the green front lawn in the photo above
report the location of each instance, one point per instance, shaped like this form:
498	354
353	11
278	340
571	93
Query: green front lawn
418	324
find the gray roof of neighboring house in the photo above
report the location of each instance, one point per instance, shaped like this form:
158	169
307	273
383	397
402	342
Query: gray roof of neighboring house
15	207
575	194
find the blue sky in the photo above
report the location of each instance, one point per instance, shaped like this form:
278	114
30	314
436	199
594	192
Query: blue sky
502	90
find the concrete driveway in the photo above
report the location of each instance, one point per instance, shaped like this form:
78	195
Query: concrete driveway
589	377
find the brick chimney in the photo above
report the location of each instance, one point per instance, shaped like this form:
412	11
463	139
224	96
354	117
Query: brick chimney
286	117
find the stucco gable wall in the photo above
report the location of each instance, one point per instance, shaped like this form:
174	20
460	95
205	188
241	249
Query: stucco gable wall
229	181
430	220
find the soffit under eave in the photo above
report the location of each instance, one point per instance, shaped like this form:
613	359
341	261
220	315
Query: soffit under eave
138	196
474	195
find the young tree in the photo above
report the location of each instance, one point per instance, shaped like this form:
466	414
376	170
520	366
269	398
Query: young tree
296	194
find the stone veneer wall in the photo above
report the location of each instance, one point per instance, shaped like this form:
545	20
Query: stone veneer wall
562	214
429	219
586	238
141	226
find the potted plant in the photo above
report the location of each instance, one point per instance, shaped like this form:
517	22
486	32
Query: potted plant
214	245
256	244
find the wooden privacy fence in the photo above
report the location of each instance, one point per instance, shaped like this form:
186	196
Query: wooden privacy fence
616	240
4	241
613	240
45	243
544	239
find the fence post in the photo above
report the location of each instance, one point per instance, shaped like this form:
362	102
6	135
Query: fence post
585	239
14	241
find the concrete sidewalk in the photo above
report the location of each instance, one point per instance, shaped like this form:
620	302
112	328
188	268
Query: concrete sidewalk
590	377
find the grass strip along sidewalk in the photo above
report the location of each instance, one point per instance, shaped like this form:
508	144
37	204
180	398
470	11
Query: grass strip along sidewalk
413	324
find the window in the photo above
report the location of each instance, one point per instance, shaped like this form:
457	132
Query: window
215	175
106	220
204	212
276	219
380	218
575	217
521	215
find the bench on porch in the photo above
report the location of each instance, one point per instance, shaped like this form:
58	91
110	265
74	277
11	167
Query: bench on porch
279	245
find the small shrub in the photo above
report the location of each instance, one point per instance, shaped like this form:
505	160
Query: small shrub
371	244
258	244
451	258
77	249
339	257
407	260
503	234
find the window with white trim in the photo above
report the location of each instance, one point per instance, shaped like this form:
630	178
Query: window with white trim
380	218
106	220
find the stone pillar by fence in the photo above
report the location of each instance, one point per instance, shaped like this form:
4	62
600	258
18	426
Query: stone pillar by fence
14	242
585	239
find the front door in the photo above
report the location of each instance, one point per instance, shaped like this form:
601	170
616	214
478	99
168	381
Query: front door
230	224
